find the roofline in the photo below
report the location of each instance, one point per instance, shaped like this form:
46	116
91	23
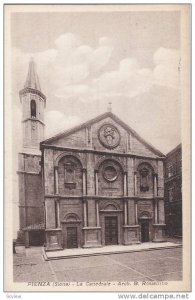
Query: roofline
174	149
73	129
98	118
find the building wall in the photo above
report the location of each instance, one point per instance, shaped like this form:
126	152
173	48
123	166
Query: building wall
30	190
110	188
86	186
173	192
70	176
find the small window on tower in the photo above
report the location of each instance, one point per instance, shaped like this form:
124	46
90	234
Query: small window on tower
33	108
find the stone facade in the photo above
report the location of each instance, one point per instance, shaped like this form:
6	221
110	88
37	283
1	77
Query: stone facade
103	185
173	192
97	184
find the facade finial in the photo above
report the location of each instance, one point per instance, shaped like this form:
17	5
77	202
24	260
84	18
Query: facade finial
109	106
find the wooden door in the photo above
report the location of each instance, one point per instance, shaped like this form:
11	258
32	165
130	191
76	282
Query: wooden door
144	231
72	241
111	231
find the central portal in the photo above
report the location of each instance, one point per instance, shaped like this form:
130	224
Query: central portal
111	231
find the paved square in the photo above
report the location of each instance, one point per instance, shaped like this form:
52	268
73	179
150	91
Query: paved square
153	265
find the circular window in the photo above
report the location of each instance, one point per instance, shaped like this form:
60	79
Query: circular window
110	173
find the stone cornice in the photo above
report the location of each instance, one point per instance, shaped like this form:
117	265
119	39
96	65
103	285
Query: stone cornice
88	197
26	172
34	120
32	91
86	150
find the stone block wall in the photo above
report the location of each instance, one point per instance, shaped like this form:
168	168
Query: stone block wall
71	206
49	172
31	198
109	188
50	213
95	196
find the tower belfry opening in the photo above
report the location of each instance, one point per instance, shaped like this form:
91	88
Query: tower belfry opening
33	106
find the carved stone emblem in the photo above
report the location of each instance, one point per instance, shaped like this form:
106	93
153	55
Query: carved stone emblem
109	136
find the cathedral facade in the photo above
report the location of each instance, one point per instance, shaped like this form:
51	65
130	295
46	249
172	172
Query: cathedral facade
96	184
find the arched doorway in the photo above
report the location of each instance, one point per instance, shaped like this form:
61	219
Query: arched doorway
111	223
111	230
71	228
145	224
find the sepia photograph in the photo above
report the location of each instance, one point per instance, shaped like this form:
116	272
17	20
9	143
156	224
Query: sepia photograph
97	148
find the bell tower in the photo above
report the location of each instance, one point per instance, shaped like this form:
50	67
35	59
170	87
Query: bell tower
33	105
31	213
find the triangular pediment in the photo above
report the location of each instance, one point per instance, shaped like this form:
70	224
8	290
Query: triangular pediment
104	133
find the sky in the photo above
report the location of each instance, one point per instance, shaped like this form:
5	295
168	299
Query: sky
85	60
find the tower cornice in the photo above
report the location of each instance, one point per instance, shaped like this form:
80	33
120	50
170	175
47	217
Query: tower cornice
32	91
33	119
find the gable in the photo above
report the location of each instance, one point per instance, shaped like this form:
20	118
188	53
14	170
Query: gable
139	148
104	133
76	139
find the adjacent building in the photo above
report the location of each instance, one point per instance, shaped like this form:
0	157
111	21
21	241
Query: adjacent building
173	192
96	184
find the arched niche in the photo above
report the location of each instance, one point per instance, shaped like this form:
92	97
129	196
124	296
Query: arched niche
145	178
71	218
70	176
60	156
145	215
111	206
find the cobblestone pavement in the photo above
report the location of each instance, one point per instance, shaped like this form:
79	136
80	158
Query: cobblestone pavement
163	264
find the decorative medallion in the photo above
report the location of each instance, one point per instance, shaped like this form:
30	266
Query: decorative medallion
110	173
109	136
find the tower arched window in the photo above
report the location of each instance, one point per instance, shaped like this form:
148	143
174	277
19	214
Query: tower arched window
33	108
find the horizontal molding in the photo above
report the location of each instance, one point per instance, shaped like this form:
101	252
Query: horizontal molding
53	229
31	206
92	197
109	153
26	172
30	153
131	226
110	210
34	120
28	90
91	228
